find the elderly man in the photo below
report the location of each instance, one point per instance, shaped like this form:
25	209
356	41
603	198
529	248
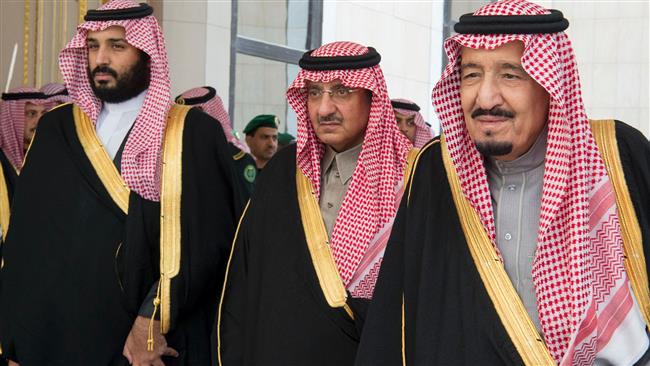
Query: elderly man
262	138
127	201
411	123
296	294
523	234
206	99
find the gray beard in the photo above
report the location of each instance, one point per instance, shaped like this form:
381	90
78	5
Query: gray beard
489	149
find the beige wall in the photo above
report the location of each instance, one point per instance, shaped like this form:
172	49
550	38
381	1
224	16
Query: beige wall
55	35
407	34
610	39
197	35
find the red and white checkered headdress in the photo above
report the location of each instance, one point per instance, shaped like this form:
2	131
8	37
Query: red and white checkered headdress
370	200
578	267
423	132
12	124
56	93
214	107
142	152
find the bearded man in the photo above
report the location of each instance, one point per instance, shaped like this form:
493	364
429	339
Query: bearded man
523	236
124	214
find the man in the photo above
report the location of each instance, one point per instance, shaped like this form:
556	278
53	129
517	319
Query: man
539	261
206	99
20	111
128	202
262	138
297	294
411	123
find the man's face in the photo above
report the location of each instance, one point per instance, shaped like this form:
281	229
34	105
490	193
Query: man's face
406	125
340	118
117	70
263	143
33	113
505	109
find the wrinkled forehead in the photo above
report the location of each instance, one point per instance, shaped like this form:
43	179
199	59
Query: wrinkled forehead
510	52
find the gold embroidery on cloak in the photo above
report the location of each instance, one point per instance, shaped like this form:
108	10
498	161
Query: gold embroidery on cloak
604	132
507	303
170	210
101	162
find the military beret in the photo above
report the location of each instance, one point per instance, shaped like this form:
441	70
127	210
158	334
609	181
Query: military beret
285	138
263	120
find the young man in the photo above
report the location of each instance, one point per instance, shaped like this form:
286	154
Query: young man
128	202
523	235
262	138
296	294
411	123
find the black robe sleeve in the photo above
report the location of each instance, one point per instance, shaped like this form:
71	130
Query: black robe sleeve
387	302
9	173
634	151
209	206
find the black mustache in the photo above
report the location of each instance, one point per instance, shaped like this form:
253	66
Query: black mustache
330	118
496	112
104	69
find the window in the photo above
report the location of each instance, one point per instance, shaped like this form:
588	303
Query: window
268	40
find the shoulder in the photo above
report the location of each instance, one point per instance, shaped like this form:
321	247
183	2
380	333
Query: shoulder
429	156
628	135
280	168
283	159
201	130
201	123
55	117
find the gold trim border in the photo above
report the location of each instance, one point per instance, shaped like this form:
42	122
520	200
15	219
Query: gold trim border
604	132
506	301
101	162
239	155
170	209
4	205
225	281
318	243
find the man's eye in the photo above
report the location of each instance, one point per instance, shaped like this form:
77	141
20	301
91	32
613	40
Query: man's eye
314	92
510	76
118	46
471	75
92	47
342	92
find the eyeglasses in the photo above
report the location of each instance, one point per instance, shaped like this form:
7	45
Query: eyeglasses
337	94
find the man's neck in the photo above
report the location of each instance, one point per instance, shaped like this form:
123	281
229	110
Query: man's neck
127	105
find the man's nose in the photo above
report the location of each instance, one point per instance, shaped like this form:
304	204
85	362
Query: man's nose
489	94
326	106
102	56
